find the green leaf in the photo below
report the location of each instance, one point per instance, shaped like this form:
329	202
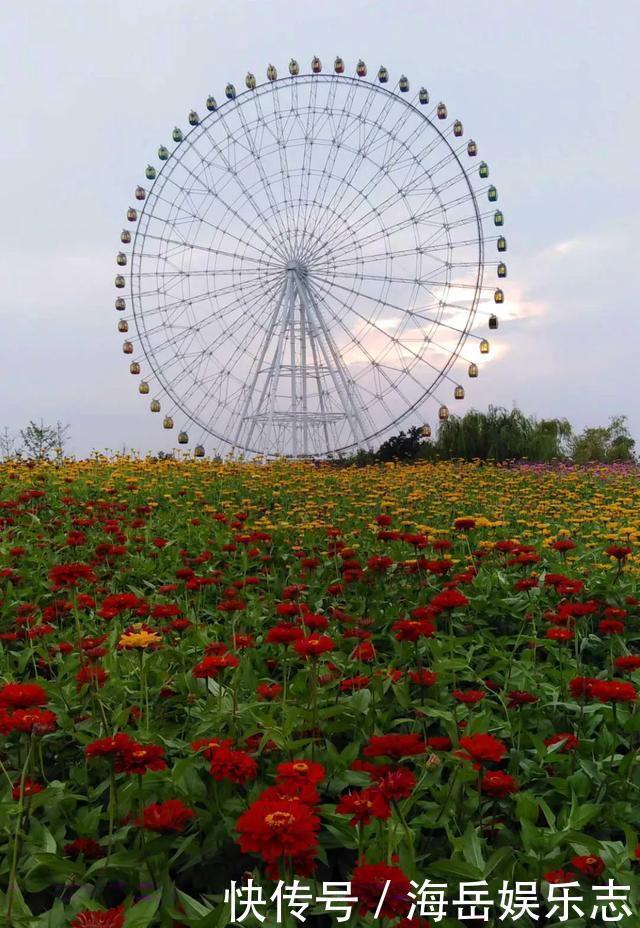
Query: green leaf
140	915
472	847
191	905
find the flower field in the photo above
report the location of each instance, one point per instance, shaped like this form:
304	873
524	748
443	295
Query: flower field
212	673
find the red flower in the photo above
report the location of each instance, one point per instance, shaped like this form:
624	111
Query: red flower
498	784
464	524
269	691
628	662
571	743
469	697
292	789
29	721
449	599
368	883
589	864
364	652
619	552
363	806
423	677
520	698
482	748
139	758
351	684
307	771
395	746
30	789
581	686
413	629
613	691
276	829
167	816
439	743
90	675
235	766
69	575
559	634
109	747
397	784
208	746
563	545
211	666
284	633
611	627
86	847
559	876
22	695
112	918
314	646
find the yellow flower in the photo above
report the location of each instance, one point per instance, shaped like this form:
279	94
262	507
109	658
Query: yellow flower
139	639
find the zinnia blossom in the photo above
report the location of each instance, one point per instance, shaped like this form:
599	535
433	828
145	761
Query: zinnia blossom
235	766
368	883
364	806
589	864
22	695
314	646
566	738
279	829
87	847
109	747
482	748
395	746
303	770
91	918
498	784
140	758
397	784
170	815
210	667
613	691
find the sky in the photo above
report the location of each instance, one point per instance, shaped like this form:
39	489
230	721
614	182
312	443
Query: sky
549	89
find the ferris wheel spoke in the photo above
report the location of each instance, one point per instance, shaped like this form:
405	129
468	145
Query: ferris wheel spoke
375	364
285	174
305	176
217	197
374	128
244	305
374	325
338	128
376	212
204	222
410	188
386	167
258	163
192	246
404	310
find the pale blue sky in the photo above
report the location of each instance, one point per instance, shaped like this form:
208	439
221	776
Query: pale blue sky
548	89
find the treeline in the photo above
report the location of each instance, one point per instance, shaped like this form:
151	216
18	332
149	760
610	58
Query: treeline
496	435
506	435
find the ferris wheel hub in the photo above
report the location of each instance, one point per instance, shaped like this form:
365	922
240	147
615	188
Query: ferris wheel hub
297	266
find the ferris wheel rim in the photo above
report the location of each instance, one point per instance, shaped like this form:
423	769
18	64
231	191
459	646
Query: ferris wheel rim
176	158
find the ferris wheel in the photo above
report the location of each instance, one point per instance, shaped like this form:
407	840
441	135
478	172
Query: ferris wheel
308	264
